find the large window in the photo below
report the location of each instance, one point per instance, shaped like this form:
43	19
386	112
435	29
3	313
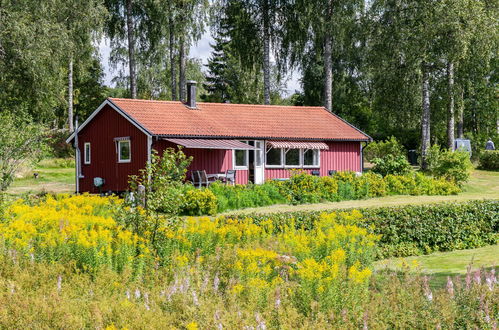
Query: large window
86	153
293	157
311	158
274	157
124	151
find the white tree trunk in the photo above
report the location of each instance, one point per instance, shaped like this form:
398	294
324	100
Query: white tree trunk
173	72
450	105
70	95
182	59
266	54
425	117
460	115
131	49
328	73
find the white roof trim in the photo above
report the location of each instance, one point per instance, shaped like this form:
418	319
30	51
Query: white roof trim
118	110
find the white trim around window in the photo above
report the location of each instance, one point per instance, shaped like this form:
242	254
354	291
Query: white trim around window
281	151
301	164
318	151
87	153
123	158
234	159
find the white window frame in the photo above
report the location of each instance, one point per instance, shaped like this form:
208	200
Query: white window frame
246	151
119	151
86	160
274	166
300	158
318	158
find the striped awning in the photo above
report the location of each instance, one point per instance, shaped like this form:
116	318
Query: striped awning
211	144
297	145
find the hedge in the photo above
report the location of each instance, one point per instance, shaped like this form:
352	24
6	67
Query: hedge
489	160
414	229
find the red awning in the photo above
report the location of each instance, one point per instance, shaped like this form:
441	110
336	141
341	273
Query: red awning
211	144
298	145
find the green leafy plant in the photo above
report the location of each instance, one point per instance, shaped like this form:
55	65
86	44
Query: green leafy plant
199	202
489	160
382	149
391	164
451	165
21	142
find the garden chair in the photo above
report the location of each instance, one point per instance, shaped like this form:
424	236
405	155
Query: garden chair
196	181
203	179
315	173
230	177
332	172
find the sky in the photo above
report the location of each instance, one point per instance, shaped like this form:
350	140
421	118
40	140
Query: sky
201	50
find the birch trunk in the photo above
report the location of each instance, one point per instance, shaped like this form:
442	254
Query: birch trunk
173	72
460	115
70	95
266	54
181	80
131	49
425	117
328	65
450	105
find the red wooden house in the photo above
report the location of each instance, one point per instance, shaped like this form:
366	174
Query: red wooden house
260	142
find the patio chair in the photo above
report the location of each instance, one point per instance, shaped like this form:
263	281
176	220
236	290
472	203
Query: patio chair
315	173
196	181
203	179
332	172
230	177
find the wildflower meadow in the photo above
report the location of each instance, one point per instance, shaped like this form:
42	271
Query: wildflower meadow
81	261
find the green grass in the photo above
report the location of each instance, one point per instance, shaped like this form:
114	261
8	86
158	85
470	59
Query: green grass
54	175
439	265
482	185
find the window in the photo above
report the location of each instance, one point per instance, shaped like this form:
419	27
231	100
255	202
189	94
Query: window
124	152
241	158
86	153
311	158
274	157
293	157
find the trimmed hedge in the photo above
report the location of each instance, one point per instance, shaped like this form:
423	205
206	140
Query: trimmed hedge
303	188
414	229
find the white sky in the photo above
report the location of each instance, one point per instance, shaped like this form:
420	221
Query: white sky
201	50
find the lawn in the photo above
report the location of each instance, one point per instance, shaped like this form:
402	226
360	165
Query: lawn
54	175
482	185
439	265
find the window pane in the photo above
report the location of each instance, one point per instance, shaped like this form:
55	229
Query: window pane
241	159
124	150
293	157
274	157
87	153
311	157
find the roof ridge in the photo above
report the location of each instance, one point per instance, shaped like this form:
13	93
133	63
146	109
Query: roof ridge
220	103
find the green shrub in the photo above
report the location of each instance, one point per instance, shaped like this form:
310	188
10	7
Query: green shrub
243	196
382	149
391	164
414	229
451	165
199	202
489	160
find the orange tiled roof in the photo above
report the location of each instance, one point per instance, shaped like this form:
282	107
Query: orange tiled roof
173	118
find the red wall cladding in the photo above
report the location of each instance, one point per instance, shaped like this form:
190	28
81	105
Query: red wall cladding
341	156
100	132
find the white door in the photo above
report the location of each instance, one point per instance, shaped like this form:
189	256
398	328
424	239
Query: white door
259	168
